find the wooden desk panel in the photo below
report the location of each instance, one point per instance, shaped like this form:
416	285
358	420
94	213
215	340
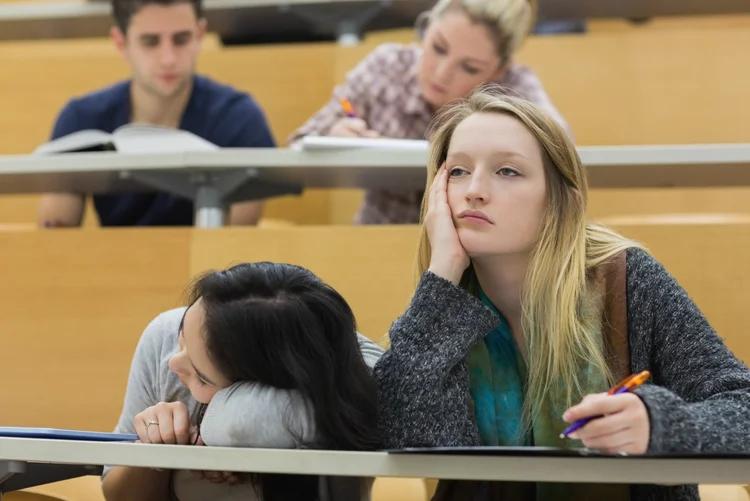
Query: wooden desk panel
370	266
73	305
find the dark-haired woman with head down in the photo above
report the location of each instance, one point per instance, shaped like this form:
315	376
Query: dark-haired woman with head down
265	355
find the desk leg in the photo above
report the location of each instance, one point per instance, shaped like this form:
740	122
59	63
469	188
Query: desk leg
8	469
212	192
206	191
209	209
347	23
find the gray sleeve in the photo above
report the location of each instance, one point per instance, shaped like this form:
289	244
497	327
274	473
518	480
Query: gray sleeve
423	387
143	381
371	352
700	397
253	415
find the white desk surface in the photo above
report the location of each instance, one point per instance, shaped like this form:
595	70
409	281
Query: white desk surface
709	165
381	464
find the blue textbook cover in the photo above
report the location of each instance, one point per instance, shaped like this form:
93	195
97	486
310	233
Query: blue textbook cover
52	433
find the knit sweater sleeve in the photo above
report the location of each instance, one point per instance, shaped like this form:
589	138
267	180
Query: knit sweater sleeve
422	380
699	399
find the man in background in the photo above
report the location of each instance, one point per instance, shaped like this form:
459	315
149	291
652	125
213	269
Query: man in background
160	40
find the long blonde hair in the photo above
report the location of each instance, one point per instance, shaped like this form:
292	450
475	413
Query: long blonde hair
509	21
561	307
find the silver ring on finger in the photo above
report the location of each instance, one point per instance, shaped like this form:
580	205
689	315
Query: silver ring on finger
150	422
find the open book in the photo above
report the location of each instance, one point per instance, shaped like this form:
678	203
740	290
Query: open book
338	143
130	138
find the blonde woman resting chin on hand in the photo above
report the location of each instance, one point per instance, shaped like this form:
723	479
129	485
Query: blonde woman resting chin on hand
509	336
265	355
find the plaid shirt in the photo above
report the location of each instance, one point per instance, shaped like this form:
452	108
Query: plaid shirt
384	90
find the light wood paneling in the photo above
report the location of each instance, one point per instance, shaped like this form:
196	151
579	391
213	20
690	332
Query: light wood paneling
289	81
45	76
78	489
18	208
72	307
623	202
671	23
647	87
370	266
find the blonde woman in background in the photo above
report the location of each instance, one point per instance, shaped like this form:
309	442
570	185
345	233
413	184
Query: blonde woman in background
524	315
397	89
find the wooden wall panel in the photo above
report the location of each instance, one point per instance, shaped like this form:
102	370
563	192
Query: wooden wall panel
370	266
73	305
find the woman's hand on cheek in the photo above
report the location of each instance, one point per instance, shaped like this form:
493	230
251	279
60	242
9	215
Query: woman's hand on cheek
624	424
449	258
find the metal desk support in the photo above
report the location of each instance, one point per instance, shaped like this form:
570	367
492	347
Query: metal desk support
347	24
7	470
17	475
212	193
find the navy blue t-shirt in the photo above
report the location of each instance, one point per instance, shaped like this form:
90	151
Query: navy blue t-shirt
218	113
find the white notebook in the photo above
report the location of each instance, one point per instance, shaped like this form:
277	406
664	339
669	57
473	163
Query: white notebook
339	143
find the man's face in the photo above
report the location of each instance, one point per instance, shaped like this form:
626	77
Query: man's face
162	45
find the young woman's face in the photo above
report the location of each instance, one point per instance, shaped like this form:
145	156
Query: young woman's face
191	363
458	55
497	187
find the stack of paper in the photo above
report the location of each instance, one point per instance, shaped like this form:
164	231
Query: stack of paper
338	143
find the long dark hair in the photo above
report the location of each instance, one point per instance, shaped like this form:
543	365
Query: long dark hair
280	325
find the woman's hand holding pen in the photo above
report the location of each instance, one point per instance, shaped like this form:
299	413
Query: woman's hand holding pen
352	127
449	258
624	424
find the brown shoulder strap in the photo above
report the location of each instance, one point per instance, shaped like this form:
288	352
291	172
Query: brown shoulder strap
615	324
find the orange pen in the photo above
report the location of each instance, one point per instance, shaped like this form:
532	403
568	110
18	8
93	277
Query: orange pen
630	383
348	108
